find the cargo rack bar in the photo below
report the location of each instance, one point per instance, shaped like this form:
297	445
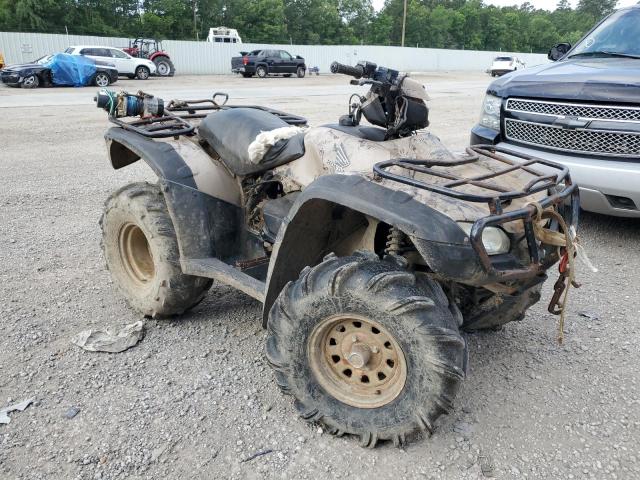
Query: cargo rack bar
563	195
174	120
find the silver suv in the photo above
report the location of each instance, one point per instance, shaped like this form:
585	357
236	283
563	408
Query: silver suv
583	111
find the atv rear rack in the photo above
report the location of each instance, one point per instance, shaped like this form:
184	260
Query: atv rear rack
175	119
563	195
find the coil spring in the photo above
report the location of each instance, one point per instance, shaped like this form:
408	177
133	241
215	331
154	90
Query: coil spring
396	241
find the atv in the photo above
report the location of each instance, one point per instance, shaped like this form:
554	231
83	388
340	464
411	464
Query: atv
372	247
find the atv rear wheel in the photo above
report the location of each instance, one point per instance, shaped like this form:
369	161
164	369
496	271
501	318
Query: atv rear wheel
366	348
164	66
141	250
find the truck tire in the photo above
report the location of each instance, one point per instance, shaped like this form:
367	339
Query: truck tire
164	66
261	71
141	251
247	75
301	72
366	348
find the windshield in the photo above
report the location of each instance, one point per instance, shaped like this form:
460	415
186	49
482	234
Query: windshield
619	33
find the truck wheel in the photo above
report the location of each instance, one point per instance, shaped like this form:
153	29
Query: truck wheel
301	72
142	73
32	81
261	71
366	348
164	66
141	251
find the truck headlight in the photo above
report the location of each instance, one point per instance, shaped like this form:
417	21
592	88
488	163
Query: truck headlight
490	114
494	239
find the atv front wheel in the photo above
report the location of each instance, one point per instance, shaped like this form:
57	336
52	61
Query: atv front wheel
366	348
141	251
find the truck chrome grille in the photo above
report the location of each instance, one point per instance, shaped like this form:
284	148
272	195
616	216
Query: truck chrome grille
594	142
589	112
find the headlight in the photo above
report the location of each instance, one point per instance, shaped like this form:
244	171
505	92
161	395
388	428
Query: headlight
490	115
494	239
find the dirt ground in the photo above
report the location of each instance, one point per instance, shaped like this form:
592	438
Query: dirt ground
196	398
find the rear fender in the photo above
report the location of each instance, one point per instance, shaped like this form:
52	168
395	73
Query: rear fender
202	197
333	207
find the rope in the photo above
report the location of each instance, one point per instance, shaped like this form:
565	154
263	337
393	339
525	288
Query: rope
568	240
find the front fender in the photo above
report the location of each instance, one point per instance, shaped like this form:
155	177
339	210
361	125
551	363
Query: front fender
311	224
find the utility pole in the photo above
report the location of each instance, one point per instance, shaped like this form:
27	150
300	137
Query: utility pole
404	20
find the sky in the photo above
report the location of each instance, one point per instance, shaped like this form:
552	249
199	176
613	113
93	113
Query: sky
546	4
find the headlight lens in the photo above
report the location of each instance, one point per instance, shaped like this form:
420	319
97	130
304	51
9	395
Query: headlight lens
494	239
490	115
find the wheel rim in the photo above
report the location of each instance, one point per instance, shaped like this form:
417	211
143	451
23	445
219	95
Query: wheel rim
142	73
29	81
357	360
262	72
102	80
136	254
163	68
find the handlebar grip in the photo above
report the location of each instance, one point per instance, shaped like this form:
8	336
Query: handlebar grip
356	71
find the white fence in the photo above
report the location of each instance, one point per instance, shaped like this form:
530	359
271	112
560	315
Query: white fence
209	58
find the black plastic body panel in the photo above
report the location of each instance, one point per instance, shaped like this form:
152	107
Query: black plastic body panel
309	227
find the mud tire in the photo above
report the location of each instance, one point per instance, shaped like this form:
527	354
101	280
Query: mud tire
168	292
416	312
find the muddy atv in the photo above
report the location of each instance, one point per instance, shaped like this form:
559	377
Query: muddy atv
372	247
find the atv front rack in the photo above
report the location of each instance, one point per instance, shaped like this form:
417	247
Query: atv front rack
563	195
175	120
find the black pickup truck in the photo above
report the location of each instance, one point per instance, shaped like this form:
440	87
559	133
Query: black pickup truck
268	62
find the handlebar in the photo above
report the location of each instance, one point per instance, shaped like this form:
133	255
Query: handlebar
355	72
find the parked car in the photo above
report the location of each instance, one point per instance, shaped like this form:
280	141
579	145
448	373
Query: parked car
582	111
129	66
505	64
59	70
268	62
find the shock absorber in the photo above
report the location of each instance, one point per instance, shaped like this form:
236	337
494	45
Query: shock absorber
396	241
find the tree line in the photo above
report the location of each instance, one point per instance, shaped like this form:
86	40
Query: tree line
460	24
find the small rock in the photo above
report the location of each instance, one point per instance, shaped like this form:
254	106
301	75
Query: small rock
71	412
486	465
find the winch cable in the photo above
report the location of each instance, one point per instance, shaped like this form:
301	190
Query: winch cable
567	240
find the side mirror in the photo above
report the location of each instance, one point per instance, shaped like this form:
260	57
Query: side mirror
558	51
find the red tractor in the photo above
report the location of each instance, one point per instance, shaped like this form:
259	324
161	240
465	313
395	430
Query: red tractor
152	50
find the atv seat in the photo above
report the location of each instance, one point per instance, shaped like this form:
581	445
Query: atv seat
230	132
374	134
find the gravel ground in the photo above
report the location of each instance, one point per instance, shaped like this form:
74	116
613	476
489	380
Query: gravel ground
196	399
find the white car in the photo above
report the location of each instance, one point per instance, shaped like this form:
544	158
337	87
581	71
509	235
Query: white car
502	65
129	66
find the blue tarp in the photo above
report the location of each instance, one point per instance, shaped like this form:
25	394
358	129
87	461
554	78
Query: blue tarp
73	70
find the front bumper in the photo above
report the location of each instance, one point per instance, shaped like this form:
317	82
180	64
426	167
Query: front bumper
12	80
607	186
